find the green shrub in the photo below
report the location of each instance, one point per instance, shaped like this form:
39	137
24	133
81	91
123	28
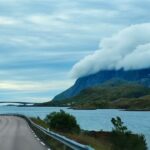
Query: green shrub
62	122
123	139
118	125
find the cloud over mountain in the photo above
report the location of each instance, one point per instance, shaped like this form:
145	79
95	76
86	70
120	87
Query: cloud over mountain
128	49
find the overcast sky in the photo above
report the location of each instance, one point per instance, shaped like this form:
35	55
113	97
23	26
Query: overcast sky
41	40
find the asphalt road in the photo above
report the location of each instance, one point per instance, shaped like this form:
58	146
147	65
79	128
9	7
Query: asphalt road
15	134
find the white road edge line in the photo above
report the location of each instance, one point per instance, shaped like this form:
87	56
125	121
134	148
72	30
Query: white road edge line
38	138
42	143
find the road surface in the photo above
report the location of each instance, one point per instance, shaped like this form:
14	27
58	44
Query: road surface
15	134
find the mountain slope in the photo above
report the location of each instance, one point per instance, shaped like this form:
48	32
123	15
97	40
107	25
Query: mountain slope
111	93
141	76
126	95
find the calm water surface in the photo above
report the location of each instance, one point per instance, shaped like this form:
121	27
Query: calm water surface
138	122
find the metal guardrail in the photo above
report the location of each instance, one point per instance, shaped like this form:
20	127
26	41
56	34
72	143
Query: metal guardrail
62	139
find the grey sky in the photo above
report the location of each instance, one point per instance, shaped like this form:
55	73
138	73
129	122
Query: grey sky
41	40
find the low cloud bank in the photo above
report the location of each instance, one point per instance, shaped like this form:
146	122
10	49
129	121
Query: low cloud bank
128	49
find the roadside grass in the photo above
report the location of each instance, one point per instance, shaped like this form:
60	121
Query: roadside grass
40	122
50	142
97	142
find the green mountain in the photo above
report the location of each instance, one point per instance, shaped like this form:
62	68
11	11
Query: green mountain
120	94
140	76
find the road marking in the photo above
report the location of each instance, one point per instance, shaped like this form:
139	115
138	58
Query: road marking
42	143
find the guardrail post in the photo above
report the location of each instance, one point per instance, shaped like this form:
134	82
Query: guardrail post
64	147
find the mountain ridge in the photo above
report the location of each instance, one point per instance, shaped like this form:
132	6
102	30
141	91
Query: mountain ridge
140	76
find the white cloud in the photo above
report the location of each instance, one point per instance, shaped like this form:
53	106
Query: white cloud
128	49
31	86
138	59
46	22
7	21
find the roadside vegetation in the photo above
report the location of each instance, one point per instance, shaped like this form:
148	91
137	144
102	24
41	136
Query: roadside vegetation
65	124
62	122
123	139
